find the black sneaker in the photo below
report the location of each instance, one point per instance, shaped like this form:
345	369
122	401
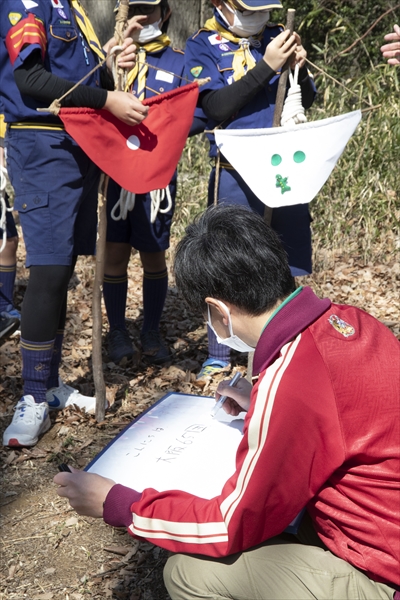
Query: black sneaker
154	351
7	327
121	349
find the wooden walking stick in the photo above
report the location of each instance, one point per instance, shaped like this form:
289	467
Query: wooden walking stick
280	98
97	362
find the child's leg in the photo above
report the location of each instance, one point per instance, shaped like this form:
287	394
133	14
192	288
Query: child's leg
115	289
41	310
8	270
8	266
155	287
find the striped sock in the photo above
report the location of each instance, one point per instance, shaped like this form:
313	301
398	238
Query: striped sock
55	360
155	287
36	359
216	350
115	290
7	280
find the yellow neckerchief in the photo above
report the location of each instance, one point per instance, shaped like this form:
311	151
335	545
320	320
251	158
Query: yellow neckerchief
140	70
243	60
87	28
2	127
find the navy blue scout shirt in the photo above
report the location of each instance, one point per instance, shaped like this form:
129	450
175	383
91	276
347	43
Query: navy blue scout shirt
207	54
49	26
157	82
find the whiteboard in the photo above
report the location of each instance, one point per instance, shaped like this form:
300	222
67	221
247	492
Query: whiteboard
176	444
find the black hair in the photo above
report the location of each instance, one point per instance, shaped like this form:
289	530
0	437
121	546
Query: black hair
231	254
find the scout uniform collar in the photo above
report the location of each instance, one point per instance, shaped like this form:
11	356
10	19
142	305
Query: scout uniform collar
141	68
243	60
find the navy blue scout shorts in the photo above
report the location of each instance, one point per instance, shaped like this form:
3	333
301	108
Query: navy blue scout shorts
56	187
137	230
11	230
291	223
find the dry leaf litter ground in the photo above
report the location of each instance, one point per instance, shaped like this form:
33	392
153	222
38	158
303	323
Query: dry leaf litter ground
49	552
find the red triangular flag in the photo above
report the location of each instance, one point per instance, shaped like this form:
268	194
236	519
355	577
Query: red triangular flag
143	157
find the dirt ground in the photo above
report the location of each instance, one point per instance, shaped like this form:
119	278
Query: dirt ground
50	553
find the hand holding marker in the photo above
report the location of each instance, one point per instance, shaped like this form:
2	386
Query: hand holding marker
223	399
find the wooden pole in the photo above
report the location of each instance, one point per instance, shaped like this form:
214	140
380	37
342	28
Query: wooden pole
97	362
280	98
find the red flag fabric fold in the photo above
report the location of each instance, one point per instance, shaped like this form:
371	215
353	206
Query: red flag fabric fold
143	157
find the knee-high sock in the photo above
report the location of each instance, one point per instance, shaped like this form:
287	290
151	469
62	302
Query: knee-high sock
155	287
115	290
7	280
215	350
36	358
55	360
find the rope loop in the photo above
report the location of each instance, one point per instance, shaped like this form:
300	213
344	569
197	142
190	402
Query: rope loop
125	203
157	197
127	200
3	206
293	111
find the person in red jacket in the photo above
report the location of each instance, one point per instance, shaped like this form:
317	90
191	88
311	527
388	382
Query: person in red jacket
321	432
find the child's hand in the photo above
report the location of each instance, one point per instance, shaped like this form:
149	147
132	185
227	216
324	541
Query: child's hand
300	54
134	26
126	107
280	49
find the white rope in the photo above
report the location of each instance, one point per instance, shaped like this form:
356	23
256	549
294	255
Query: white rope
127	200
293	110
158	196
3	206
125	203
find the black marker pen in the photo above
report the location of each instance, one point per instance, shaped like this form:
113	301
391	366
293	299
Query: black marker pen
64	468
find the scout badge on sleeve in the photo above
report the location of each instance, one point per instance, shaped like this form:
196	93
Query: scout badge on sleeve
288	165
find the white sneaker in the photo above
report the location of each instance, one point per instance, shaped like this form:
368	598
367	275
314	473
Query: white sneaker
30	420
64	395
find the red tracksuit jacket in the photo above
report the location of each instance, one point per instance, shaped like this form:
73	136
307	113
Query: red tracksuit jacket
323	431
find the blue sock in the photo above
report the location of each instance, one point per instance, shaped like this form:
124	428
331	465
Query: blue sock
155	287
36	359
215	350
55	360
115	290
7	280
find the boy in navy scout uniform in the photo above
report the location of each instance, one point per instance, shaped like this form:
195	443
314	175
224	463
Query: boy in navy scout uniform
146	229
9	315
45	47
243	56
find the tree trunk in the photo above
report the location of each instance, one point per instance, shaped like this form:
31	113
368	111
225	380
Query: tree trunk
187	17
101	14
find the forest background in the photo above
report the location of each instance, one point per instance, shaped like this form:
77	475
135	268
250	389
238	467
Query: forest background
47	551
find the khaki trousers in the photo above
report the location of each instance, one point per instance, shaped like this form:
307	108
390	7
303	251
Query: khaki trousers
280	569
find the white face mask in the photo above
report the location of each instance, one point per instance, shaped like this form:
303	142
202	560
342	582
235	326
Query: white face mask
148	33
246	23
233	341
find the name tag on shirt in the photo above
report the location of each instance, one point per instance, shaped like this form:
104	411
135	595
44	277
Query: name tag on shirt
216	38
163	76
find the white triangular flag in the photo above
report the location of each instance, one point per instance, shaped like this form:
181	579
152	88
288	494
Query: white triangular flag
287	165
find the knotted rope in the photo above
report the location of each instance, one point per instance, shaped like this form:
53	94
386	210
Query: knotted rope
127	200
293	111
